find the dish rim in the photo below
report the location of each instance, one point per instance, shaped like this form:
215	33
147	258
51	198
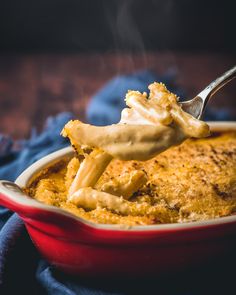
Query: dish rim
27	175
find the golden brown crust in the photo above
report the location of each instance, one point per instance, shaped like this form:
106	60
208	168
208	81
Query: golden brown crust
194	181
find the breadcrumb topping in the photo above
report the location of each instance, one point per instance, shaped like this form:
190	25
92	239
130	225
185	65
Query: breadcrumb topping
190	182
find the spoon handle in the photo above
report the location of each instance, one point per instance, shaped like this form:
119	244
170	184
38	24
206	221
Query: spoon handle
217	84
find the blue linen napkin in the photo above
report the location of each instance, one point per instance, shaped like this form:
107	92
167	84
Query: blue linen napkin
22	271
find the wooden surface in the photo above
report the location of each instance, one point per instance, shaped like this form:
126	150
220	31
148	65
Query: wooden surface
33	87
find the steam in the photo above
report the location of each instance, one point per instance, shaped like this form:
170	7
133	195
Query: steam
127	30
126	34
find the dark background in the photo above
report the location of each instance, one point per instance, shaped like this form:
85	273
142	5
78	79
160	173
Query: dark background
101	25
56	54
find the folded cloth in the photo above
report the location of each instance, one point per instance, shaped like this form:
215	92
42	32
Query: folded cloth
14	241
22	271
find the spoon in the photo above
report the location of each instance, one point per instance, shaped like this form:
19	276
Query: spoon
197	105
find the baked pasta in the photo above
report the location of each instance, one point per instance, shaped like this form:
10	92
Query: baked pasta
193	181
124	173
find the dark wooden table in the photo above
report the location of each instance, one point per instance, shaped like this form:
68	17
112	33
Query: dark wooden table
32	87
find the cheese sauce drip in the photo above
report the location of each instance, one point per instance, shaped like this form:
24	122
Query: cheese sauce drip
148	127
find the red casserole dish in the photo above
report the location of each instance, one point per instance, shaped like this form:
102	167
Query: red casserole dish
79	247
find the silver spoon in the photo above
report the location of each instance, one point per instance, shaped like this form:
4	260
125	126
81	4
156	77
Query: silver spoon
197	105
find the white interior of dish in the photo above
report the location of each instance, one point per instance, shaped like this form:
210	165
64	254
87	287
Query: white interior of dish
34	169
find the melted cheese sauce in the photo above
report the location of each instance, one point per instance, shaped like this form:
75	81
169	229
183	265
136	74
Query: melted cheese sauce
126	142
149	126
